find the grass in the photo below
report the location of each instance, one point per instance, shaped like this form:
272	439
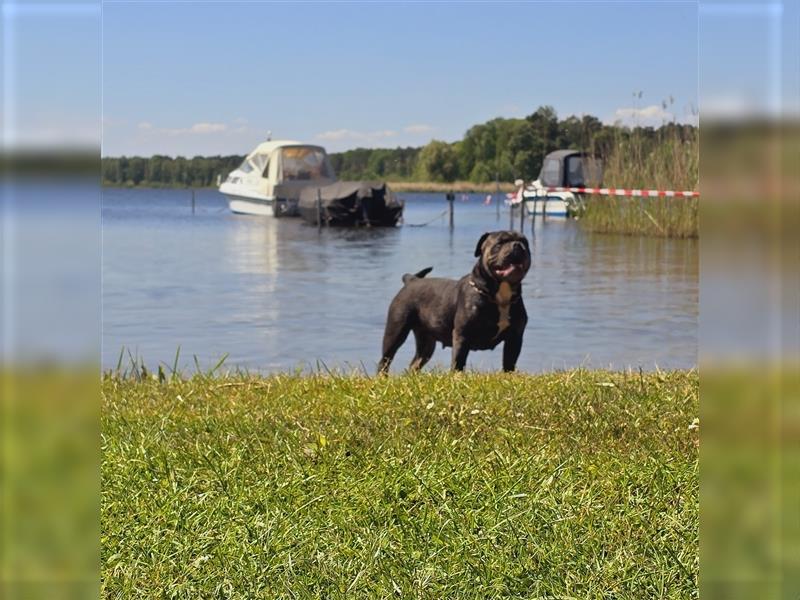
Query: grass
669	164
580	484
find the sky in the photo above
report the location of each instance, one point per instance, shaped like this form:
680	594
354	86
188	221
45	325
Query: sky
204	77
188	78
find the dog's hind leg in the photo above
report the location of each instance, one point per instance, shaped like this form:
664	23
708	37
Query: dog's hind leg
397	331
460	352
426	344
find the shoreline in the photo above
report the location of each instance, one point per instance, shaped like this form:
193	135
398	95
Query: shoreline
460	187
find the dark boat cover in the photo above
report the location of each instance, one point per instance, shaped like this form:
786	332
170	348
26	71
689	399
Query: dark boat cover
351	203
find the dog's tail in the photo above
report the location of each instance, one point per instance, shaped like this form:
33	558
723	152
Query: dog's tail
418	275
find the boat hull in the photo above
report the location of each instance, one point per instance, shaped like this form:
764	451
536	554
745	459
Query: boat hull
243	201
552	207
248	206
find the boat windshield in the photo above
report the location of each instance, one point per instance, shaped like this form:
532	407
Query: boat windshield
304	163
257	162
260	161
575	171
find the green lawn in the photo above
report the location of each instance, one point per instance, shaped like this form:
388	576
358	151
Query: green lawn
581	484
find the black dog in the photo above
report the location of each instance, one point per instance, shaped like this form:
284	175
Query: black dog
476	312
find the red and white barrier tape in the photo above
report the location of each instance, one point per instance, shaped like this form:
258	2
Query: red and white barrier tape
623	192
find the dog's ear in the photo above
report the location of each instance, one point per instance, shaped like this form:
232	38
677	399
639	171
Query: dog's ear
524	240
480	243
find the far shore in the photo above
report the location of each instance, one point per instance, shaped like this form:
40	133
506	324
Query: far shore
455	186
461	187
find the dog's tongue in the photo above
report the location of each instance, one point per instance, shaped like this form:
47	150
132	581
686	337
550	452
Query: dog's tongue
507	271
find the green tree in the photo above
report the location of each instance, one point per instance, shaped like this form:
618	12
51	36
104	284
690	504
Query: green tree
438	161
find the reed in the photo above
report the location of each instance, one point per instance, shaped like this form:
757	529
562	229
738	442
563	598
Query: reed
670	161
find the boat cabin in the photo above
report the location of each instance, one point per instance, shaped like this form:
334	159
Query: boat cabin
282	168
571	168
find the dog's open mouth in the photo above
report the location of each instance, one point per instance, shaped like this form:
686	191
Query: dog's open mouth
508	270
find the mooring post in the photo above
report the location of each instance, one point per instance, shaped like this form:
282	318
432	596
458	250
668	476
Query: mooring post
192	200
451	200
497	193
319	209
527	212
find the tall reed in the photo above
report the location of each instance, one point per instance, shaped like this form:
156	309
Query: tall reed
668	160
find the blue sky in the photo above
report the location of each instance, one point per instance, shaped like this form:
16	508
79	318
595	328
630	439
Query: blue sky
206	78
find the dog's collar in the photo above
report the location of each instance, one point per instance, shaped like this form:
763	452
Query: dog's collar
487	294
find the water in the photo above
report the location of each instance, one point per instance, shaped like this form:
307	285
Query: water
276	294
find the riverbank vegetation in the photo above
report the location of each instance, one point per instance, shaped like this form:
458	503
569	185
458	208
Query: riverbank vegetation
580	484
668	163
500	149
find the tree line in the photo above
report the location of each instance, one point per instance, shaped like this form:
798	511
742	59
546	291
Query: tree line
506	149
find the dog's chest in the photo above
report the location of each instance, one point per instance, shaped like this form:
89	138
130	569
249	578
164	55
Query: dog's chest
503	299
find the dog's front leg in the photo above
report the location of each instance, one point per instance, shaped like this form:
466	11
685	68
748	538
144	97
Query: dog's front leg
460	351
511	349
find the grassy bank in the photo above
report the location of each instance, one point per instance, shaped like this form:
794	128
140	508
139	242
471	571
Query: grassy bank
577	484
671	164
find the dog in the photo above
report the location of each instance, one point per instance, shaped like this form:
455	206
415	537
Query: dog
476	312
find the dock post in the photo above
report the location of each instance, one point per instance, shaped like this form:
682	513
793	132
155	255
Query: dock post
497	193
319	209
451	200
522	214
192	200
530	213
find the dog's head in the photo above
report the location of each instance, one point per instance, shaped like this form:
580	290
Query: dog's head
504	255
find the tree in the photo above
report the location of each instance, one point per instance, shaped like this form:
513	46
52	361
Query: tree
437	161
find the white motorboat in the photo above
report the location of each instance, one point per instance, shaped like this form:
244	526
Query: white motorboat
553	204
562	169
271	177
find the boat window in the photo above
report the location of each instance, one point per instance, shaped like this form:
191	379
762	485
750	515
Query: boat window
246	167
551	172
304	163
575	171
259	161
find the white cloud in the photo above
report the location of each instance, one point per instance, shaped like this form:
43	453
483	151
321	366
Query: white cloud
337	134
349	134
207	128
196	129
418	128
654	115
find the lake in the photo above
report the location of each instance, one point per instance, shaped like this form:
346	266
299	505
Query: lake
279	295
